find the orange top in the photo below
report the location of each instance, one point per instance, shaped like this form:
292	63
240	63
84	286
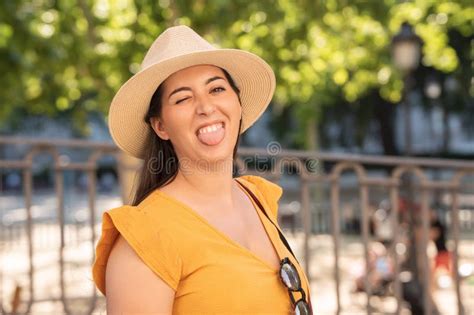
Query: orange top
210	272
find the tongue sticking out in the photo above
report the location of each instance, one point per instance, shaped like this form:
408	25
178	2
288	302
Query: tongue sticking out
212	138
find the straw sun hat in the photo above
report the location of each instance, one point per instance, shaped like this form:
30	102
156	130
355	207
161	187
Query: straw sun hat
177	48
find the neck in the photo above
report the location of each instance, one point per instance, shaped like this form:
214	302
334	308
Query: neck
208	180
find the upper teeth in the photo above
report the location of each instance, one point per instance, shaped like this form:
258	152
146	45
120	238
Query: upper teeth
211	128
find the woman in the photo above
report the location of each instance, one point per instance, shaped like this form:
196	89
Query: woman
195	240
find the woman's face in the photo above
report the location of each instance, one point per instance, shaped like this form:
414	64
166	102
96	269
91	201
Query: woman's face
200	114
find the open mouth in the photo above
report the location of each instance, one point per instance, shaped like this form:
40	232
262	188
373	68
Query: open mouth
211	134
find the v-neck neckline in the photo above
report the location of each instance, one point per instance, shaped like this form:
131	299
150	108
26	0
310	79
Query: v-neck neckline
233	242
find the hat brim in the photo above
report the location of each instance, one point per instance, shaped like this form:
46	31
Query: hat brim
252	75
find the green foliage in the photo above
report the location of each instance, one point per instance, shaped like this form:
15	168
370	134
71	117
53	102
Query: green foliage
69	57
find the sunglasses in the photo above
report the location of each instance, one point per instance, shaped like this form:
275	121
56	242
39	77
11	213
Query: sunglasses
290	278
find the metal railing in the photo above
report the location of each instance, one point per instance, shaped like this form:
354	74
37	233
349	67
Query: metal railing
329	171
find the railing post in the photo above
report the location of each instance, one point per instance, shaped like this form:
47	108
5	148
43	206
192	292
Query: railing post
59	181
306	223
397	286
364	203
335	236
28	191
455	269
425	221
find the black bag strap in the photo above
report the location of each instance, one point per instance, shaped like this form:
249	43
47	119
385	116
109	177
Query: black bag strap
282	237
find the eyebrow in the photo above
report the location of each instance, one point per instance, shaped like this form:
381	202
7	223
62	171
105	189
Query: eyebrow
185	88
213	79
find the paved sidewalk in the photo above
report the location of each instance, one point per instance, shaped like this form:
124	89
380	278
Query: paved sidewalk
79	285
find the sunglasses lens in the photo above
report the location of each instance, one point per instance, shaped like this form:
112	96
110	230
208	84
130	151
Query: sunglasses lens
290	277
302	308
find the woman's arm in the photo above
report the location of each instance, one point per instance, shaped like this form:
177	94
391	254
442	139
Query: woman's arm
132	288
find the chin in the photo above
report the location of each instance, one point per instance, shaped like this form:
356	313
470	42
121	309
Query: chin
223	151
217	155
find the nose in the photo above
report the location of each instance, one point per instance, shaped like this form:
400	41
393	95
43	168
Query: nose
204	106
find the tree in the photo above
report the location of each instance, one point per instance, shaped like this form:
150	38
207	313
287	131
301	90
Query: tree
68	57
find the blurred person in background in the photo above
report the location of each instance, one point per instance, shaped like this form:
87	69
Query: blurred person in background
442	265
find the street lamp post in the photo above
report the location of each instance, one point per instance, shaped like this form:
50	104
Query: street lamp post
406	53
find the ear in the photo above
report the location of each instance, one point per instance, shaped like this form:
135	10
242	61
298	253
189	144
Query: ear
158	127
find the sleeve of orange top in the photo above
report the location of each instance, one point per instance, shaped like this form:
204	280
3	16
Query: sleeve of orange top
268	191
151	243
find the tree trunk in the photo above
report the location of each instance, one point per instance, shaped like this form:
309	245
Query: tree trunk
384	113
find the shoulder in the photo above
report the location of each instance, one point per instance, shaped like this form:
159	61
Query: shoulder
266	191
132	285
144	231
155	209
264	186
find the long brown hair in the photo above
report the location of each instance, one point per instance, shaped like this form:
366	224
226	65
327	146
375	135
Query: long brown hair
160	165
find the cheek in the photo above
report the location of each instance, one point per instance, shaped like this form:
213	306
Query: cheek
174	119
236	117
236	108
